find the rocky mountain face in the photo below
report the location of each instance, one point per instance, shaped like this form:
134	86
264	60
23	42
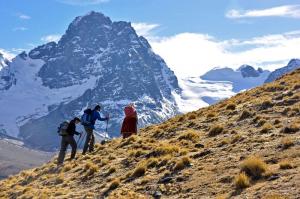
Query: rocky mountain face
96	61
245	77
3	61
249	71
292	65
6	78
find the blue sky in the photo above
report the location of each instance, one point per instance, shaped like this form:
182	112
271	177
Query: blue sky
233	31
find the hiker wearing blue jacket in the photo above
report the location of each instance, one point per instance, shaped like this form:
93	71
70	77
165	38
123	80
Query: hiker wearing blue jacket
89	128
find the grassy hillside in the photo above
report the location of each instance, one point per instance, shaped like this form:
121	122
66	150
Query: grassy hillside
245	147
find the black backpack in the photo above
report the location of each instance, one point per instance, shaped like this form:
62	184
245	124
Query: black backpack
62	129
86	118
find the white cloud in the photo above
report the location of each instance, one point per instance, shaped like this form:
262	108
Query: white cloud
144	29
20	29
82	2
18	50
23	16
50	38
292	11
191	54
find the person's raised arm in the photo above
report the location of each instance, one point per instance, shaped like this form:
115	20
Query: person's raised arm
98	117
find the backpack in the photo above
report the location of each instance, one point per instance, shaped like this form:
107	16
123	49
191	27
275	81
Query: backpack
62	129
86	118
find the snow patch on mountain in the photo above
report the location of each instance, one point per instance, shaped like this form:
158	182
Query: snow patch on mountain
28	99
217	84
4	59
245	77
198	93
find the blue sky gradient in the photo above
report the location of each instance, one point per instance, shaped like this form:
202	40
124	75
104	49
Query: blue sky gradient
174	16
25	22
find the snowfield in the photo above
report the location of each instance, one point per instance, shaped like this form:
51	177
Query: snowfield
29	99
197	92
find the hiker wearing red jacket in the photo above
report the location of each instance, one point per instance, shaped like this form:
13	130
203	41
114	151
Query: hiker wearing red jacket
129	126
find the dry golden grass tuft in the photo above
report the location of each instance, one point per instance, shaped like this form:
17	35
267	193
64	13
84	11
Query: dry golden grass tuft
261	122
211	115
137	152
182	163
297	86
88	165
266	104
181	118
231	107
125	142
222	196
67	167
166	148
215	130
191	135
286	142
157	133
267	128
245	114
114	184
236	138
254	167
285	164
152	162
165	160
273	88
139	171
90	168
277	121
192	116
111	170
59	179
242	181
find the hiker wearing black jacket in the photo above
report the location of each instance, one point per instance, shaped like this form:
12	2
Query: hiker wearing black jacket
68	139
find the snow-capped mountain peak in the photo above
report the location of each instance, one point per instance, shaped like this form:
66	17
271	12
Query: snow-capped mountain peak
248	71
244	77
4	61
292	65
96	61
294	62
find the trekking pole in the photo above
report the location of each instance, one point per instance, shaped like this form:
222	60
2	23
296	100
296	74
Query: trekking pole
81	140
106	127
79	137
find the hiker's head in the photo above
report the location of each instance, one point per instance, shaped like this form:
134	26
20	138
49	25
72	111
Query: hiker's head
97	108
76	120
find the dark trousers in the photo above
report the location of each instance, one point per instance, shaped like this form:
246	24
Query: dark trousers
89	141
65	141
